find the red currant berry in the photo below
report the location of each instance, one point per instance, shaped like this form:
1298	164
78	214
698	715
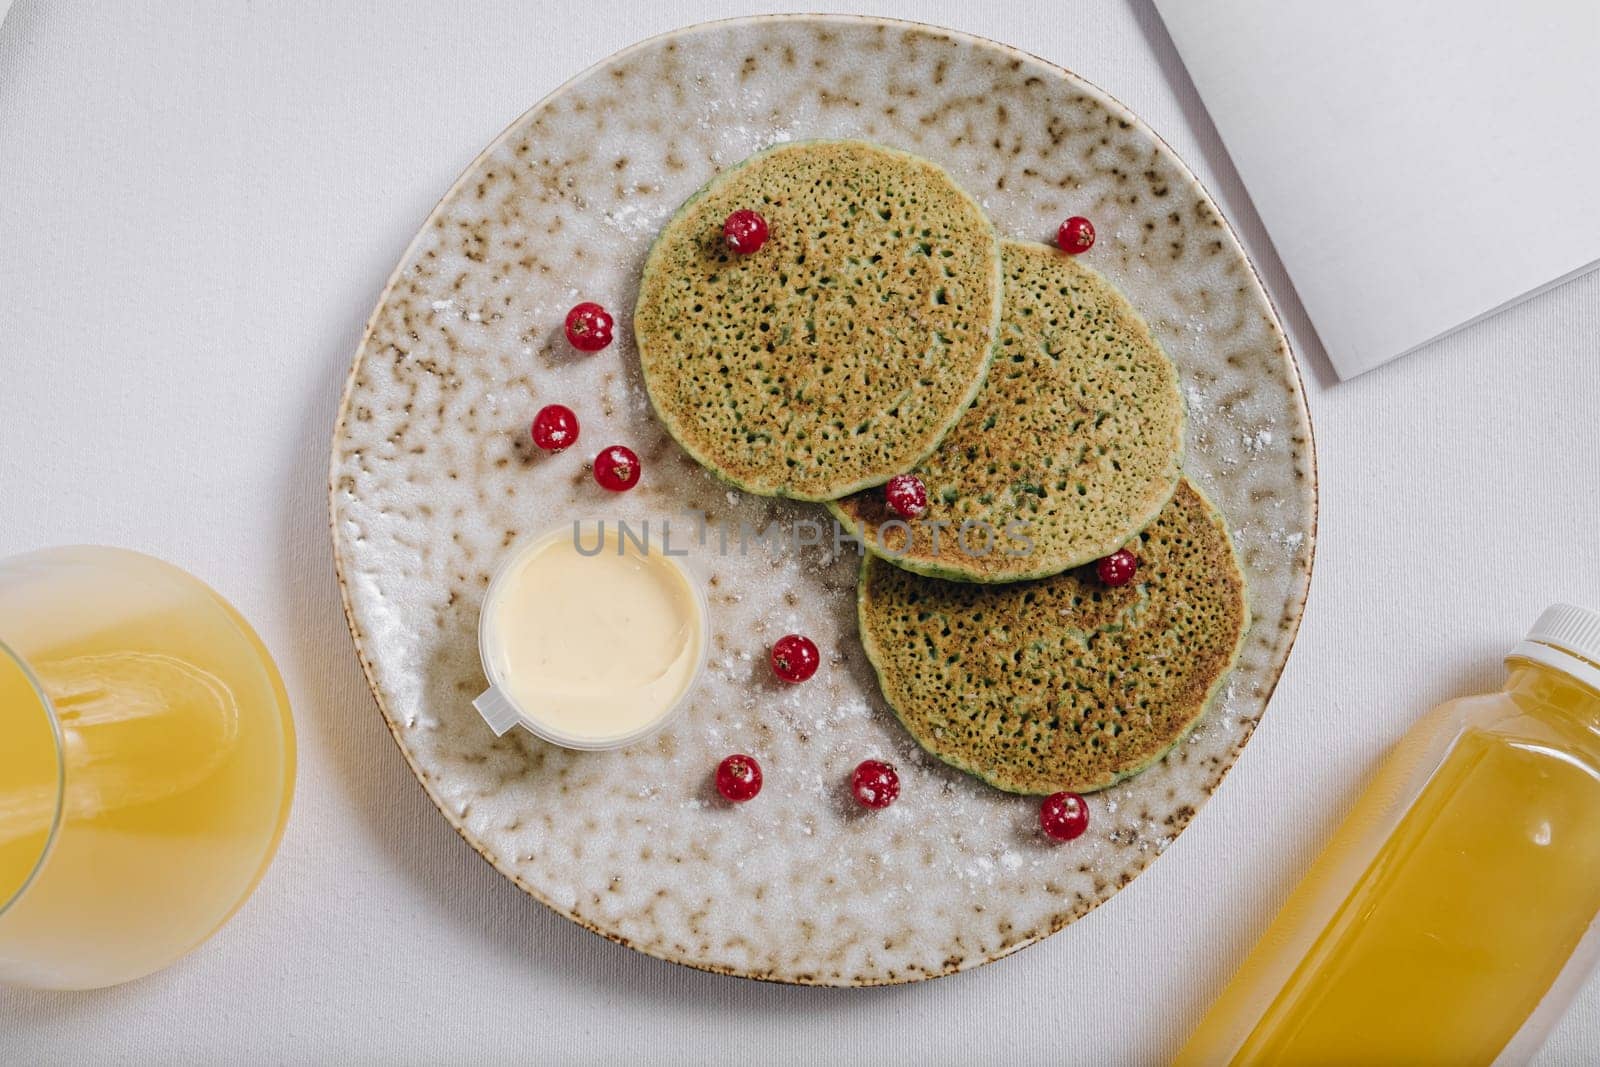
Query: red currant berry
589	327
616	468
1064	816
875	783
555	428
1076	235
1117	568
907	496
745	232
739	778
795	658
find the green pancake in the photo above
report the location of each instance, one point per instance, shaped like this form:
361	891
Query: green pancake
1074	441
838	354
1063	682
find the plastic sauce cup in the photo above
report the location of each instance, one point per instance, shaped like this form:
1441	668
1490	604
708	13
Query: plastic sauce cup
590	582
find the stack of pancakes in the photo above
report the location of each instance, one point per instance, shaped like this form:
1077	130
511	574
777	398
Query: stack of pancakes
884	329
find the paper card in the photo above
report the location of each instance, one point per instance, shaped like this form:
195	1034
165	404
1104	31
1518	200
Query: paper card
1419	165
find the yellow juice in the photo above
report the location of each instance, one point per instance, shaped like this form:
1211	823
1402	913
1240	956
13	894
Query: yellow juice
30	773
148	793
1447	905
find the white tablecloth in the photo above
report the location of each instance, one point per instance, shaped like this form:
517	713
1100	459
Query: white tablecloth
198	206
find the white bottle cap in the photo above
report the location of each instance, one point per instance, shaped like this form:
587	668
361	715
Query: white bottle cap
1567	638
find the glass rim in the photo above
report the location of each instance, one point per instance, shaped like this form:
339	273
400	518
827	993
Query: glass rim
6	652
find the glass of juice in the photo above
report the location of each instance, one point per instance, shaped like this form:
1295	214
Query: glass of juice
146	765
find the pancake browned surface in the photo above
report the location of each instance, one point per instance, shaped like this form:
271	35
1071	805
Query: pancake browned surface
1062	683
837	355
1074	441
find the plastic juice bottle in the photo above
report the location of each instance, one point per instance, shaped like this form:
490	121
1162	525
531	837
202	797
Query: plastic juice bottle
1451	918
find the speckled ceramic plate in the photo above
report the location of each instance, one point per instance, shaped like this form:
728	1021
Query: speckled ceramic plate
433	479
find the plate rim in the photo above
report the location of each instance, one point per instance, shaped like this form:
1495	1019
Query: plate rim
1295	604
